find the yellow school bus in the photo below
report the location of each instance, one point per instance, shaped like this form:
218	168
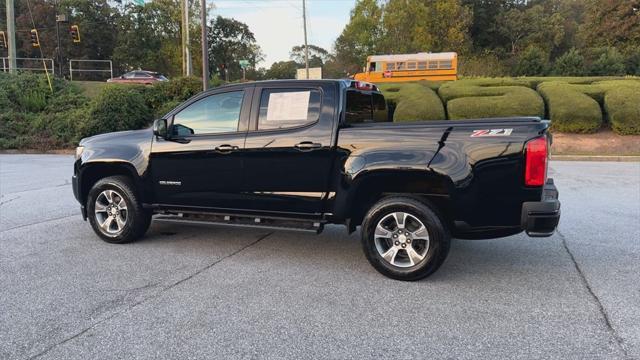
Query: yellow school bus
410	67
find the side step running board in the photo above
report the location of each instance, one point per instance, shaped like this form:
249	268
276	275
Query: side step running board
242	221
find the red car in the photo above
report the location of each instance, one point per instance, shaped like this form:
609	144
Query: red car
139	77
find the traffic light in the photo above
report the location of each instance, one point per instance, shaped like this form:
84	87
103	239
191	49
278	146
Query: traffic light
35	39
3	40
75	33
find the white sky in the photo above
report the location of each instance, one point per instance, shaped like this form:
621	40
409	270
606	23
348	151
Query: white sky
277	24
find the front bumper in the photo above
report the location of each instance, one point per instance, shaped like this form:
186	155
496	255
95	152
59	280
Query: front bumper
76	192
540	218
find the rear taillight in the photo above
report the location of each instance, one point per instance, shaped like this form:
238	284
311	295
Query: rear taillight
536	155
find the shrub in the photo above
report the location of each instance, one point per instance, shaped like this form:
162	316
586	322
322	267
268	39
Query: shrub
622	105
570	63
166	107
608	61
468	99
532	62
632	62
569	109
486	65
177	90
117	108
578	107
413	101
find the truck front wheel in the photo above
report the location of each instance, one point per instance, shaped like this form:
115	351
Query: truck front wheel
114	211
404	239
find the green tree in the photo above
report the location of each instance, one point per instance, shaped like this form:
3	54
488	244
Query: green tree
570	63
149	37
282	70
612	23
607	61
632	61
361	37
96	20
483	31
532	62
317	55
531	27
426	25
229	42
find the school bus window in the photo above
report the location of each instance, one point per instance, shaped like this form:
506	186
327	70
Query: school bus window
400	66
422	65
433	65
411	65
445	64
391	66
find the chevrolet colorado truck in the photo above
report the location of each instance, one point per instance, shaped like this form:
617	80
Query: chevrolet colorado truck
300	154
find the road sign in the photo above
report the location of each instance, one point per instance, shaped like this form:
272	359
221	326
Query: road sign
244	63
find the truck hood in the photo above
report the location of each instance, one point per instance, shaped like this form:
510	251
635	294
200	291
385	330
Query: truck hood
118	138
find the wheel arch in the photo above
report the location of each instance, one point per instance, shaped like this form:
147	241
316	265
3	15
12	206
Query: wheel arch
428	187
92	172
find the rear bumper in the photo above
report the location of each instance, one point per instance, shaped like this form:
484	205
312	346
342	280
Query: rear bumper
540	218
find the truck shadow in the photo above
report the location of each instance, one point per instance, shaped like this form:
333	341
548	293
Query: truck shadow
336	251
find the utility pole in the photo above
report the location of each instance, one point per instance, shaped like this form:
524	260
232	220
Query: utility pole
186	55
11	33
205	46
306	47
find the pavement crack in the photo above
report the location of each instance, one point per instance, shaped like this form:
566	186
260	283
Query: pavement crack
38	223
603	312
260	238
144	300
8	201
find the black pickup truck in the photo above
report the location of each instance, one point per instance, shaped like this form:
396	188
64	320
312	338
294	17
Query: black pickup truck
302	154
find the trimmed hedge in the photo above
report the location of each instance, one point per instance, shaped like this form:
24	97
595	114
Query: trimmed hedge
579	107
413	101
478	98
622	105
569	109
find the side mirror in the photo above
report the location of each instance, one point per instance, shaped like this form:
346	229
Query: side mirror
160	128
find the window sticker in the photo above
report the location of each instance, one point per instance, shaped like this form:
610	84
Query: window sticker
287	106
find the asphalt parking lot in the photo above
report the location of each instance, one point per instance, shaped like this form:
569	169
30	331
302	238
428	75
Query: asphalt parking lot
217	292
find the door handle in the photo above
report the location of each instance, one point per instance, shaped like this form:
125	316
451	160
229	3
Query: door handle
307	145
226	148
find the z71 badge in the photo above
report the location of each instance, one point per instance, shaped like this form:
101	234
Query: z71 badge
492	132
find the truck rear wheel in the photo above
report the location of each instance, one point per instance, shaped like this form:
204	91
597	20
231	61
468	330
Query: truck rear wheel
404	239
114	211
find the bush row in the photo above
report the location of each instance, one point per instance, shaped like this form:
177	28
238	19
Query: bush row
574	104
33	116
413	100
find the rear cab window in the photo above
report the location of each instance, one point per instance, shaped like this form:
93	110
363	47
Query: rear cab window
364	106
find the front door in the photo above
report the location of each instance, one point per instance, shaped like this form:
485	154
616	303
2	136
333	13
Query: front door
288	152
200	164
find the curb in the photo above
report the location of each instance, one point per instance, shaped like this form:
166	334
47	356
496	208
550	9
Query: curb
618	158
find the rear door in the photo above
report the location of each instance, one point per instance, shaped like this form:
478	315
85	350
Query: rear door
201	164
289	150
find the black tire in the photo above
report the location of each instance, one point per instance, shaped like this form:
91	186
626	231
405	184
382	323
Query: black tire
137	218
434	254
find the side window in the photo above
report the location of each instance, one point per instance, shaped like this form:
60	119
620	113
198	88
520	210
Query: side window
285	108
214	114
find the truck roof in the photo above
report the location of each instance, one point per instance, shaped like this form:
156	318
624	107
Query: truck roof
345	83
